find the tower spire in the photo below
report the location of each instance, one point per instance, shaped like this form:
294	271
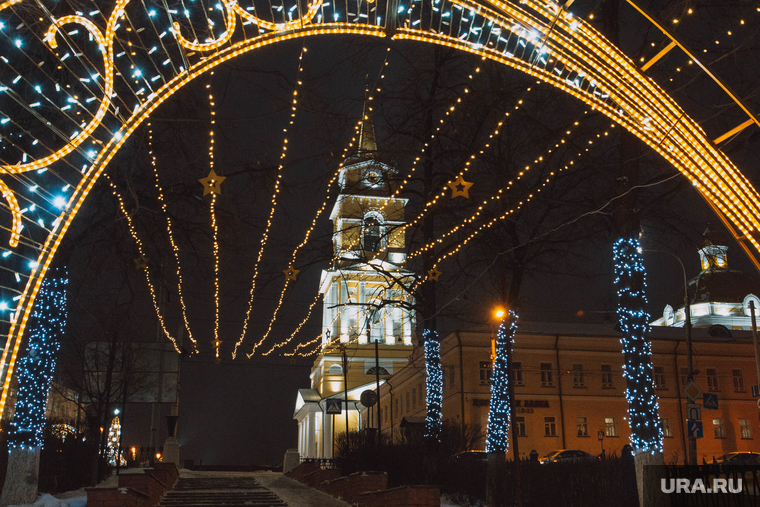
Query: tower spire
367	144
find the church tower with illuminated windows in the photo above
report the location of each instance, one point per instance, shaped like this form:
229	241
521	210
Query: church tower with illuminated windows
365	300
719	297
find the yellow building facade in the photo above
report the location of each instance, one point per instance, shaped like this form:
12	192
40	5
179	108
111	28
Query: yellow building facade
569	388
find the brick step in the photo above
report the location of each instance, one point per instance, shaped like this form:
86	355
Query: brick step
173	500
220	492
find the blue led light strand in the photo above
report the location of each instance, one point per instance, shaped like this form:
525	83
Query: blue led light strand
36	368
434	385
630	280
497	434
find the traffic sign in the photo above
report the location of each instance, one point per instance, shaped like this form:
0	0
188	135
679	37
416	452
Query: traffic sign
695	429
334	407
755	389
693	412
692	391
710	401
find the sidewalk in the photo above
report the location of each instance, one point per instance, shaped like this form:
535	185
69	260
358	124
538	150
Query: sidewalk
296	494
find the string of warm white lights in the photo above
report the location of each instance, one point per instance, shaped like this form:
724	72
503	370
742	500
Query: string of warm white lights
448	114
291	272
265	235
214	226
495	197
142	261
170	232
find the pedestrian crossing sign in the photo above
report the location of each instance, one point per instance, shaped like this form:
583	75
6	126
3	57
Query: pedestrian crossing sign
334	407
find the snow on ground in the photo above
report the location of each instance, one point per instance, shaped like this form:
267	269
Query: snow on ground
76	498
296	494
46	500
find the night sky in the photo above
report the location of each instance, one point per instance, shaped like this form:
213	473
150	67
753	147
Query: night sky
240	412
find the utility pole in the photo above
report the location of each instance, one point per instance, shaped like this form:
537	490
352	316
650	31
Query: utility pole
377	384
345	386
754	337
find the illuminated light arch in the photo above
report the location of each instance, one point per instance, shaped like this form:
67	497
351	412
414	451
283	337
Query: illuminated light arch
535	37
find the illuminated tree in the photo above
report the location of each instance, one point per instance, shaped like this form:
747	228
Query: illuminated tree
35	373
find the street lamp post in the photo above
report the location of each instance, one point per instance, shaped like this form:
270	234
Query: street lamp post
689	352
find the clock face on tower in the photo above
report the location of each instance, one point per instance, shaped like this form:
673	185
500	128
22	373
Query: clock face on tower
373	177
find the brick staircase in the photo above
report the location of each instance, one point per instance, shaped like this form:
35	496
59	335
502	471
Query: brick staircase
219	492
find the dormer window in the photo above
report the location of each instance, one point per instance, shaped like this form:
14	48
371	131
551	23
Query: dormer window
371	235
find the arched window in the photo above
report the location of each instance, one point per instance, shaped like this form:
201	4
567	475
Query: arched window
372	234
335	370
373	370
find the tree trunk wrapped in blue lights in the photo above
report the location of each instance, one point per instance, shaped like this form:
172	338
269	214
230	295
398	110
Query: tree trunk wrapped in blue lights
630	280
434	384
497	436
35	372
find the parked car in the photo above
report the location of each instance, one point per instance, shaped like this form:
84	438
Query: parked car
740	458
470	457
567	456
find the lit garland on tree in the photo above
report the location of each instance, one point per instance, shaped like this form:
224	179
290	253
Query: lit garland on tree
434	384
646	429
36	369
497	435
114	436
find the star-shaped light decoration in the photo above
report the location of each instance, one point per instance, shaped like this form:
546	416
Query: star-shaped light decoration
292	360
291	273
433	274
141	262
460	187
212	184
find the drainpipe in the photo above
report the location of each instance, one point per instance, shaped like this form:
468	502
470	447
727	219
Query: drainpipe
680	401
559	383
461	381
390	391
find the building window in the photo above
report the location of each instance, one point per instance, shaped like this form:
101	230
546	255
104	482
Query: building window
398	414
547	375
385	414
582	424
520	426
610	427
335	369
550	427
486	370
450	376
607	376
422	394
719	429
408	405
744	428
371	236
374	369
414	397
712	379
579	379
684	376
666	431
738	381
517	374
659	377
